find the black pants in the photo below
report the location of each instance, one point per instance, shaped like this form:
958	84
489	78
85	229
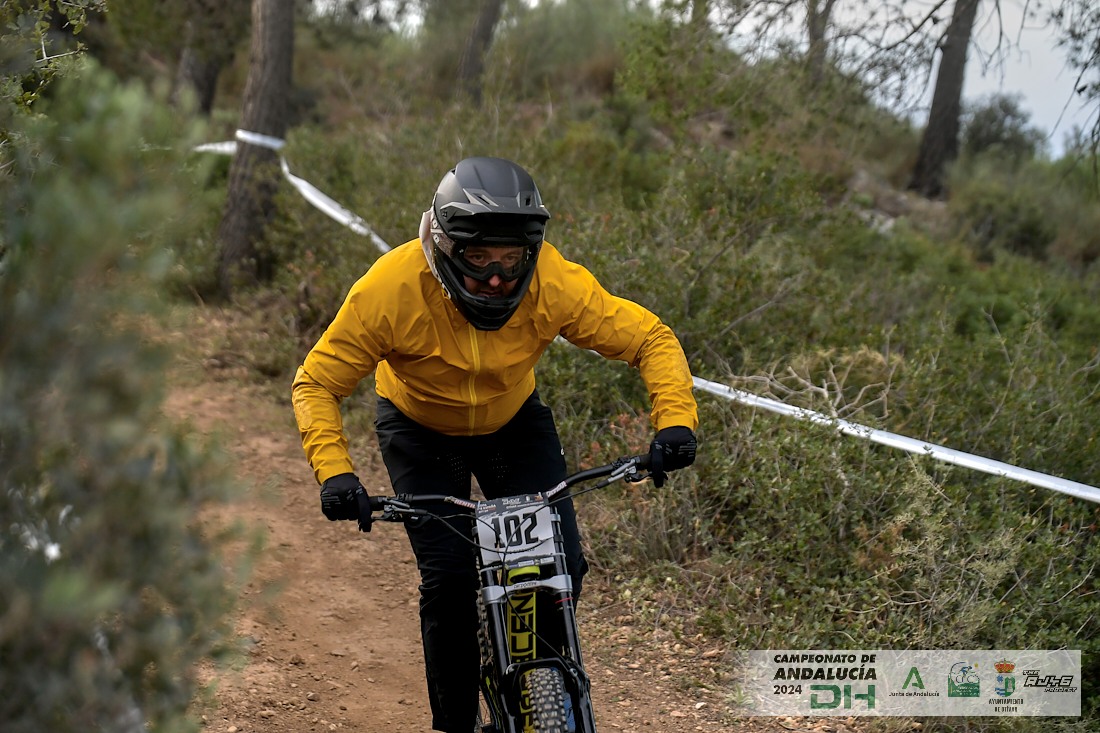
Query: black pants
522	457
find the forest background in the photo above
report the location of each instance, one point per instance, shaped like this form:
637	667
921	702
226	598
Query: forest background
759	190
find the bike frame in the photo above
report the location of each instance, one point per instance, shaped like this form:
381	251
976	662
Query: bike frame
528	616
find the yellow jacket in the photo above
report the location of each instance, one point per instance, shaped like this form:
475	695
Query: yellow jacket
450	377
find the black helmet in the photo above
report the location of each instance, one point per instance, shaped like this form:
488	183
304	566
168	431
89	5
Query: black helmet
486	201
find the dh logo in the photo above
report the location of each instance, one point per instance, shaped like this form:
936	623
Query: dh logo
833	696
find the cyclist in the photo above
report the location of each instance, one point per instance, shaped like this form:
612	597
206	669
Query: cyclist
452	324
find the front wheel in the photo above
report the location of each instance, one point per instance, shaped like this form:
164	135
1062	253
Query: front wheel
553	711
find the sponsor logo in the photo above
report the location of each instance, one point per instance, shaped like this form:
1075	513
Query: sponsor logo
913	678
1049	682
963	680
1004	684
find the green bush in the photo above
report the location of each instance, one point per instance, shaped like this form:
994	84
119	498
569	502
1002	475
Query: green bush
997	215
1036	208
999	124
110	591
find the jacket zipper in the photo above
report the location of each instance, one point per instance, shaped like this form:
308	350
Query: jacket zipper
475	355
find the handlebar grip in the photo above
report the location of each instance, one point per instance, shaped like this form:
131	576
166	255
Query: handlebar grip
377	503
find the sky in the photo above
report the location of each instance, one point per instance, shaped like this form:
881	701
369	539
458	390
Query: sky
1036	71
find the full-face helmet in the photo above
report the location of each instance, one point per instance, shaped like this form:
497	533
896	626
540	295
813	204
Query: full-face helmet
489	202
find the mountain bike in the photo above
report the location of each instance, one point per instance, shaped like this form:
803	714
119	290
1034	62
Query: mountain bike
532	675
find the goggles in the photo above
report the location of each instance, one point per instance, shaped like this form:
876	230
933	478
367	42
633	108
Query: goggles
482	261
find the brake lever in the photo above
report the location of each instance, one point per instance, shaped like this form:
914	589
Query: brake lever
626	469
628	472
394	509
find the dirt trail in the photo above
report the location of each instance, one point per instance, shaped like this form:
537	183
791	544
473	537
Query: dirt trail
330	614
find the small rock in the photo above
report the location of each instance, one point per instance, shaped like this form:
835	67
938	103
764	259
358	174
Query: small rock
312	696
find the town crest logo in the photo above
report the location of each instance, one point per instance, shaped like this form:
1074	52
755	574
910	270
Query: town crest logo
1005	683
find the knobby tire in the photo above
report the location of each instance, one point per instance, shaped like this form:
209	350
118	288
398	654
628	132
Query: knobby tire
548	698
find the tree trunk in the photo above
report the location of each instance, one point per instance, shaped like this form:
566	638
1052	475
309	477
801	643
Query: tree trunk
211	35
471	69
940	143
817	24
254	173
198	75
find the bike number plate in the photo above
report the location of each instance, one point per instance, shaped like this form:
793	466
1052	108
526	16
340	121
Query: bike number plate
514	527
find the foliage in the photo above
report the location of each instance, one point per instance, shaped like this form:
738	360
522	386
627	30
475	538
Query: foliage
37	40
999	216
1000	124
559	52
1035	208
137	31
109	590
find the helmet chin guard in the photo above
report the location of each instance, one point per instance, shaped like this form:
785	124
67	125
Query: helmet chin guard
490	202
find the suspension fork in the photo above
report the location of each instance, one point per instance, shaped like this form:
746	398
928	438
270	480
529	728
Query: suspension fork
512	621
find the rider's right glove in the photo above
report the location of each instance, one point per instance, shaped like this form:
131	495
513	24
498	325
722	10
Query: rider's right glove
343	497
672	448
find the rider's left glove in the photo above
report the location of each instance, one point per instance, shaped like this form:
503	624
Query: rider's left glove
343	497
672	448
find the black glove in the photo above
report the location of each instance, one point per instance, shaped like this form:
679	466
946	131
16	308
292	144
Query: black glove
343	497
671	449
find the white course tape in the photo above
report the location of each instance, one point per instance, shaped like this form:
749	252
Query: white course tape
311	193
263	141
327	206
939	452
224	148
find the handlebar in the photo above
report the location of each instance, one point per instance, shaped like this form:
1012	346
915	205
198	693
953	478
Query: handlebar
398	508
